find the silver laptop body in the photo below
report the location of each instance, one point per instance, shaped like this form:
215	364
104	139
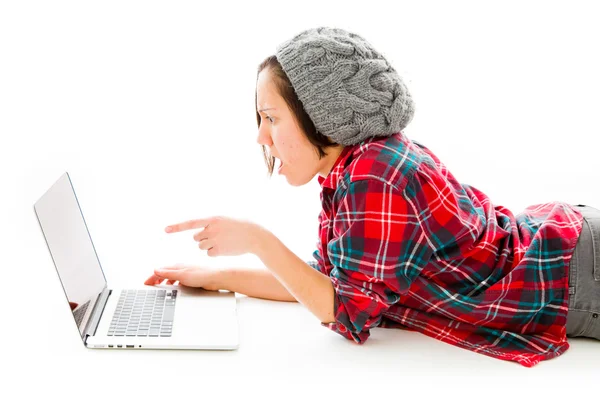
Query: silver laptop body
160	317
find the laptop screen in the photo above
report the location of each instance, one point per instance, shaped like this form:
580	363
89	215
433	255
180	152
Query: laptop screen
71	248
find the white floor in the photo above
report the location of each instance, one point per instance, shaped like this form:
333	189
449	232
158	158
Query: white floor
283	352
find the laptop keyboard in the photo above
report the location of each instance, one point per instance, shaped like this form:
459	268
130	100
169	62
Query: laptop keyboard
144	313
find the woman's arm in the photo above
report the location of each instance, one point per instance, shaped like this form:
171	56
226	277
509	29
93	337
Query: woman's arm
310	287
227	236
254	282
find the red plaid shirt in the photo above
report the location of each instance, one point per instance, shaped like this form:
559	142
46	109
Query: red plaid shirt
407	246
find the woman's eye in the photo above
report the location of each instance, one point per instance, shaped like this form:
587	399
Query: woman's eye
270	119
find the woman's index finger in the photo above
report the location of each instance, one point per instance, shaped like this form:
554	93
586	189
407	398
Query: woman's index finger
187	225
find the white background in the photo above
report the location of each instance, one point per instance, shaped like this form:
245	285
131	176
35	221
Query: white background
150	107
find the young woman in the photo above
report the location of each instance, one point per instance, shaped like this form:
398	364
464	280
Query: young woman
402	244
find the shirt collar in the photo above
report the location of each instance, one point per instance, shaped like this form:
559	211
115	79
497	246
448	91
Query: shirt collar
332	179
349	152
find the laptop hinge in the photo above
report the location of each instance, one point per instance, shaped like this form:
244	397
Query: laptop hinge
94	320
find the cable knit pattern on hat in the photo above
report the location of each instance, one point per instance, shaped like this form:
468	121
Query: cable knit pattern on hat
348	89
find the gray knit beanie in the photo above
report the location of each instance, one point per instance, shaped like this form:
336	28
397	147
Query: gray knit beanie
348	89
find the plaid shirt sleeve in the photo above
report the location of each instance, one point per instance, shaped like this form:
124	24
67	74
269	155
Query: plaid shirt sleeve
377	250
314	264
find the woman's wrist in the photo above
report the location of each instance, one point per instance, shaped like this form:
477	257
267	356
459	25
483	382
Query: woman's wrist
222	279
263	241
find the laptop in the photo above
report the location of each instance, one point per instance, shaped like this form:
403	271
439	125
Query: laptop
146	317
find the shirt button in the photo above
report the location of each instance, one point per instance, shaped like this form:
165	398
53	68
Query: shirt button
594	315
342	328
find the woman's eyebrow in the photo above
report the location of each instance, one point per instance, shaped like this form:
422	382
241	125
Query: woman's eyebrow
265	109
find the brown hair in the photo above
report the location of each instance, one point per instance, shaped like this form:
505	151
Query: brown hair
287	92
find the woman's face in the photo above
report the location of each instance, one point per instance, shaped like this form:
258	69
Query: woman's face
296	158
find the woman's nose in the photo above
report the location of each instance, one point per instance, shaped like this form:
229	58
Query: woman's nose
264	138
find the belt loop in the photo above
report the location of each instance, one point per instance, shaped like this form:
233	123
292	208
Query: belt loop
595	244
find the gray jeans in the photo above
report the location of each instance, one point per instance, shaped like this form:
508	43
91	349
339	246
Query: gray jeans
583	318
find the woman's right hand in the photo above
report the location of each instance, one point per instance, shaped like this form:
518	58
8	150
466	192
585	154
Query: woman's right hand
186	275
